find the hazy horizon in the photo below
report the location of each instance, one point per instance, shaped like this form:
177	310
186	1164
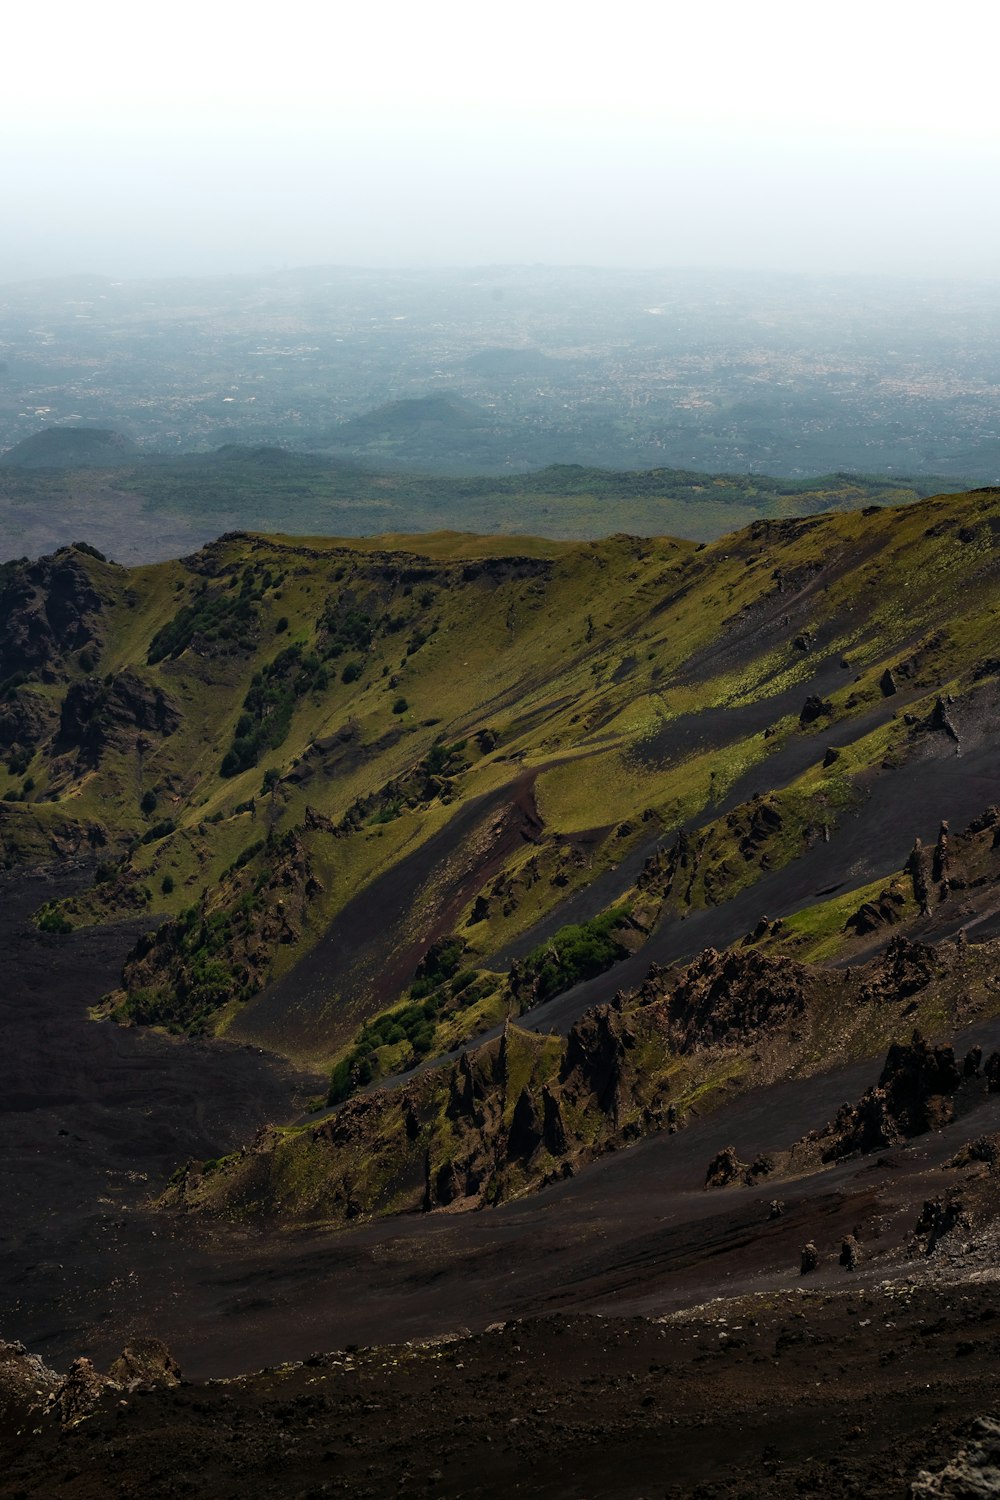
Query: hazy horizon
234	142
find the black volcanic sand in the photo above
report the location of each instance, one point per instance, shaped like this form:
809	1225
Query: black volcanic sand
94	1118
85	1265
845	1395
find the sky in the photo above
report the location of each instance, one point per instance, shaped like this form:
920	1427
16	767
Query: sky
201	138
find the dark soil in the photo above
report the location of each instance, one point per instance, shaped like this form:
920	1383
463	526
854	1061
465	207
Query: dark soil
833	1384
94	1119
846	1395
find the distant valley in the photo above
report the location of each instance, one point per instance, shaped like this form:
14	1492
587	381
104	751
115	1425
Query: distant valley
61	484
506	370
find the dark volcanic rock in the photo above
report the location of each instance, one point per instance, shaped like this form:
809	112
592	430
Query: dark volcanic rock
809	1260
145	1362
25	1382
914	1094
725	1168
79	1393
47	609
884	911
733	995
974	1472
905	969
850	1252
815	708
94	714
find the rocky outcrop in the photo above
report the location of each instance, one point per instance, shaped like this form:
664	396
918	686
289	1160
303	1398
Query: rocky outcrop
96	715
884	910
25	1383
973	1473
75	1398
914	1094
735	995
725	1169
29	1389
222	949
145	1362
905	969
48	609
815	708
941	722
983	1152
809	1259
918	868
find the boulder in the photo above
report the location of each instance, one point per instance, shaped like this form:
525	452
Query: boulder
145	1362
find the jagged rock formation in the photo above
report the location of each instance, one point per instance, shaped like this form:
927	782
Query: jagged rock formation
914	1094
886	910
850	1252
725	1169
74	1398
30	1391
524	1109
734	995
984	1152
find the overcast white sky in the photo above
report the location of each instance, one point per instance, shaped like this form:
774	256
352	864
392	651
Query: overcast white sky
214	136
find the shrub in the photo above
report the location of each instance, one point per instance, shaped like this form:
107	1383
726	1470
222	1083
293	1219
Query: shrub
158	831
53	921
575	953
400	706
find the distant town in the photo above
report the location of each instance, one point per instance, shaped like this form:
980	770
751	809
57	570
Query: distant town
500	370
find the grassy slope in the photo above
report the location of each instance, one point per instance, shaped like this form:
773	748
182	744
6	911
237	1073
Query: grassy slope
632	684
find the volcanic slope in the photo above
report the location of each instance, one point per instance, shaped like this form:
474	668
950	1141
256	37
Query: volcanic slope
361	785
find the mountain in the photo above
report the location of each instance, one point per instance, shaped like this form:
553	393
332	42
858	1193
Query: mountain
69	448
453	740
536	928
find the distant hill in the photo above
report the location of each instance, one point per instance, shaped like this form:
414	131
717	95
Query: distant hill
69	448
141	507
412	416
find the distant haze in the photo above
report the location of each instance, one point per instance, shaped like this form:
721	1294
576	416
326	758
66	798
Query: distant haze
209	138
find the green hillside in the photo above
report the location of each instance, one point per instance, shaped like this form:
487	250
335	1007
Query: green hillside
322	763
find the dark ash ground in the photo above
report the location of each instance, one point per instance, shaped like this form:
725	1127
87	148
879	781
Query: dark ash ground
613	1373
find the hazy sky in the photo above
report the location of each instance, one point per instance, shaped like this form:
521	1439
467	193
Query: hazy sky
214	136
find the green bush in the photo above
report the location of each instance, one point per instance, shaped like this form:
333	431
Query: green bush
574	953
53	921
